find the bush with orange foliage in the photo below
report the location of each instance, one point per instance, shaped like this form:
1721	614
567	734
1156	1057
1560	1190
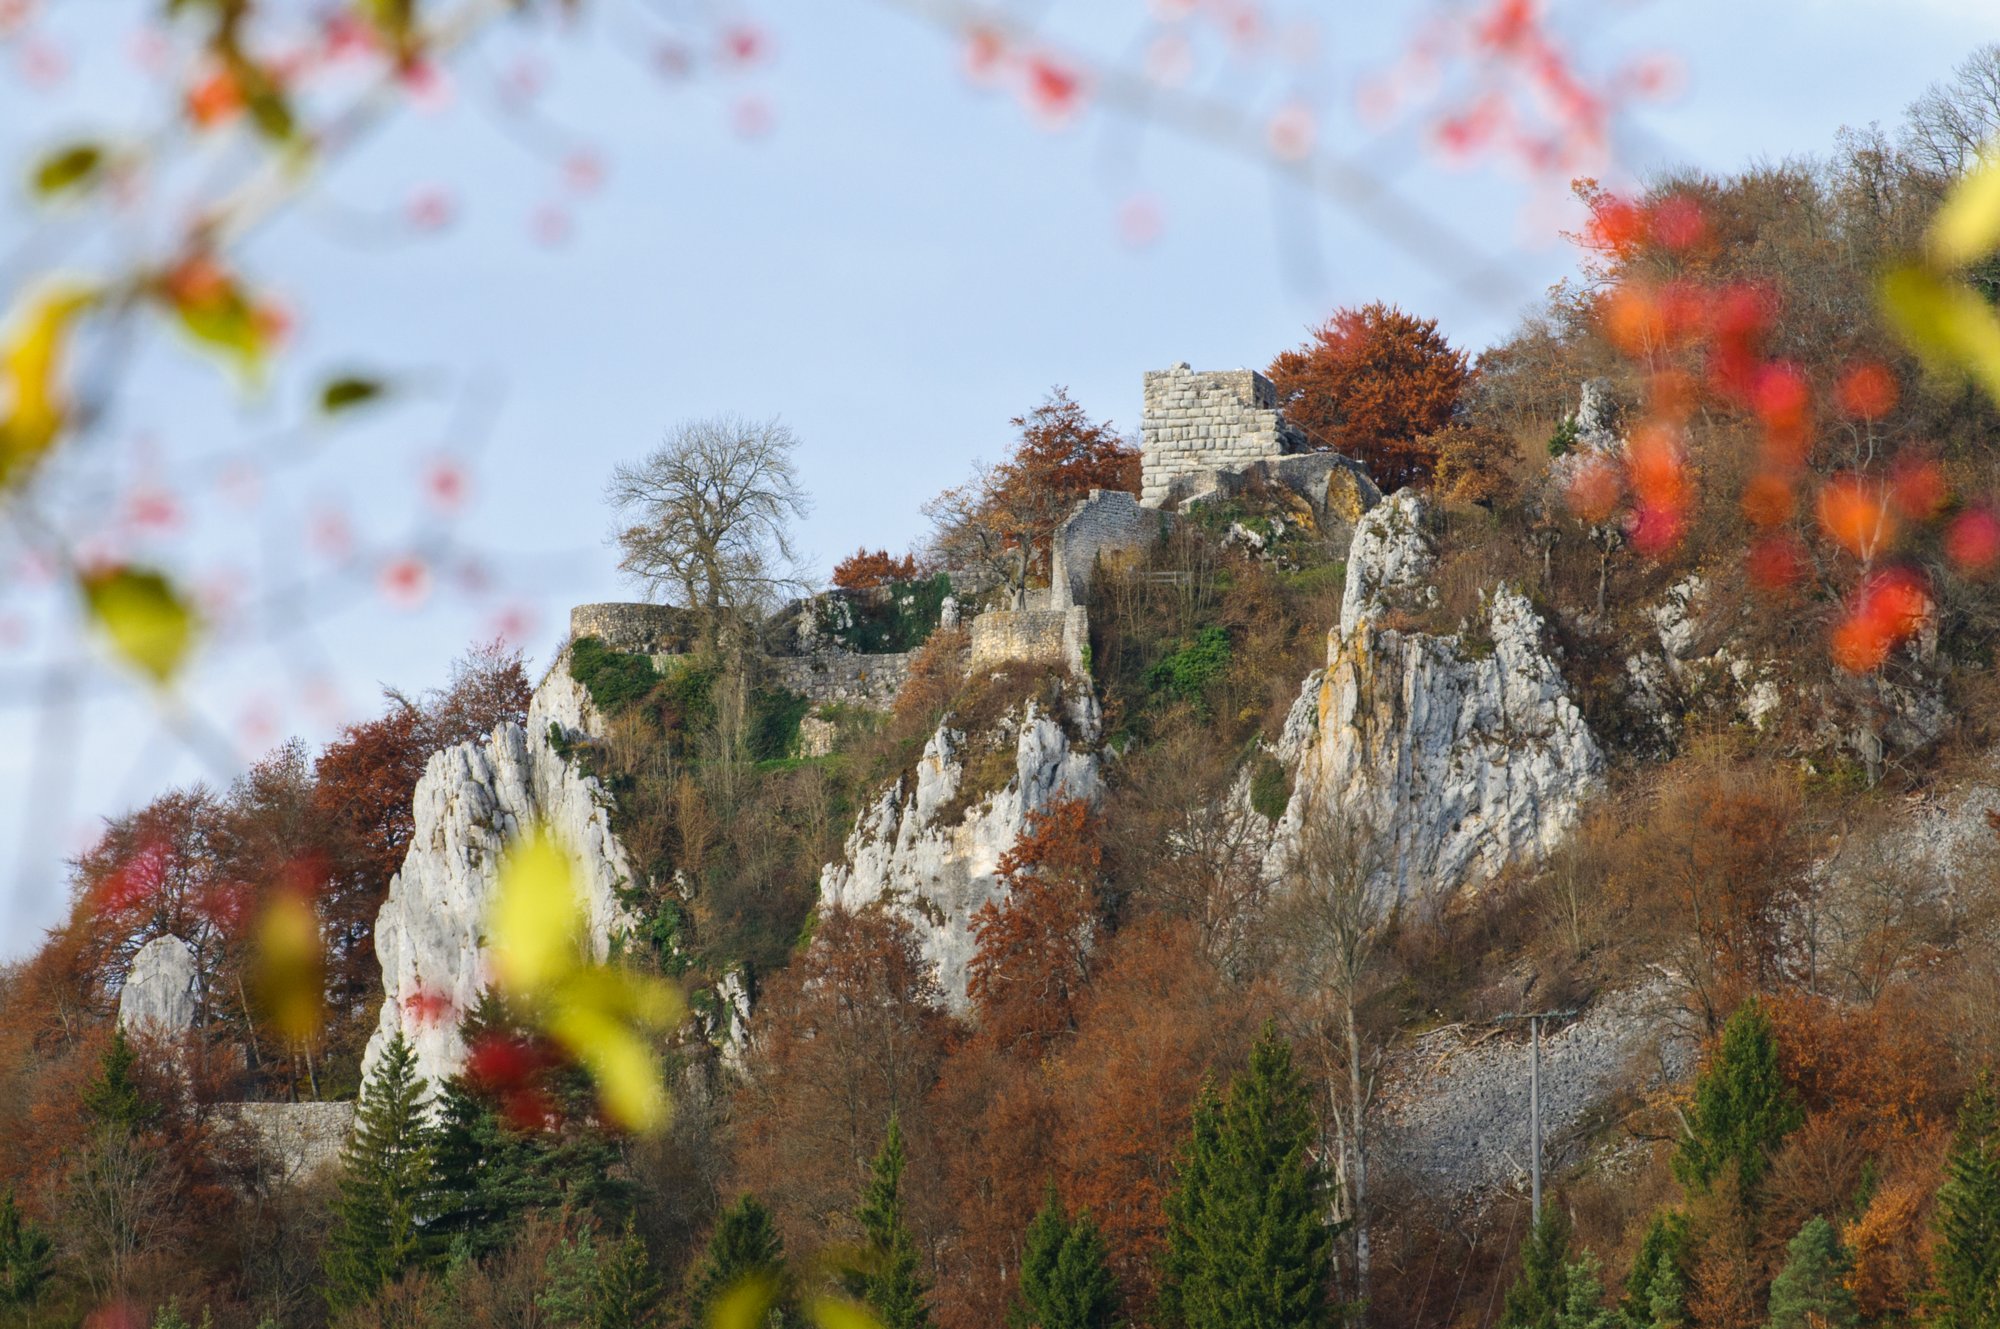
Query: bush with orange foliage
864	570
1374	383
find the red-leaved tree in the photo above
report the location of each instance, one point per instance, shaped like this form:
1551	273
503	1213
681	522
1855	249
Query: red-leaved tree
1373	383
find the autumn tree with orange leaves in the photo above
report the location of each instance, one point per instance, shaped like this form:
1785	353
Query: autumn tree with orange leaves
1373	384
1004	518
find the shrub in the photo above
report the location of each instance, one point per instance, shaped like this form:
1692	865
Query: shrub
774	724
1188	672
863	570
1270	787
614	679
1563	441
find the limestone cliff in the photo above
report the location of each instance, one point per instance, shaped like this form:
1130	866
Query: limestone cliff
1462	752
161	990
937	866
472	800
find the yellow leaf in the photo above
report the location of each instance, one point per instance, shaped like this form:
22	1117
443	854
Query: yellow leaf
1946	323
835	1313
290	968
537	916
31	406
744	1305
597	1015
1967	227
148	623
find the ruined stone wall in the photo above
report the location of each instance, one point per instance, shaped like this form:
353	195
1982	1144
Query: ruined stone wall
842	678
637	629
1031	636
1107	524
1200	424
298	1140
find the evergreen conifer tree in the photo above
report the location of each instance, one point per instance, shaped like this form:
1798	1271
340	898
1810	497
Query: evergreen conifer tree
628	1296
1966	1258
1066	1280
1583	1305
1810	1292
1541	1290
889	1278
744	1249
1667	1306
1662	1251
491	1174
1742	1106
26	1258
1248	1242
114	1098
387	1188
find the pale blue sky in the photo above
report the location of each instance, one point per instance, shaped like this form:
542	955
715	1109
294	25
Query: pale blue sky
900	265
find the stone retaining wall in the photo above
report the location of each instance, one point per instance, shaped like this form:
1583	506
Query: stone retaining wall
1198	424
299	1140
844	679
1031	636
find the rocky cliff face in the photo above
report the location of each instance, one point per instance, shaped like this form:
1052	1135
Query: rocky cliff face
473	799
938	869
1461	752
160	992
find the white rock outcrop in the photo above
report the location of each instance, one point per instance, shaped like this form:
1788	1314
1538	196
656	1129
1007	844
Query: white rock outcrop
472	801
161	990
937	873
1461	753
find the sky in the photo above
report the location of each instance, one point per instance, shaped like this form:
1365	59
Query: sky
836	226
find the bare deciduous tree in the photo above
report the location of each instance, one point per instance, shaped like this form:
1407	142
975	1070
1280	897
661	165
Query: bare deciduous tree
710	514
1326	921
1954	119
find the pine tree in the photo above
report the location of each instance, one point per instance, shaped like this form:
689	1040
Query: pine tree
26	1257
889	1277
1583	1305
1667	1307
491	1174
1541	1290
1742	1106
1662	1254
114	1098
1248	1242
745	1249
1066	1279
568	1299
1966	1259
387	1187
1810	1292
628	1296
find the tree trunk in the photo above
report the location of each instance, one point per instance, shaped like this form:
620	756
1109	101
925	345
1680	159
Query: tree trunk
1358	1135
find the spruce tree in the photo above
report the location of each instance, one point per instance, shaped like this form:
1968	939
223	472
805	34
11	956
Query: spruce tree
744	1249
1541	1290
1966	1258
491	1173
26	1258
628	1296
1662	1255
1667	1306
1248	1242
889	1277
1810	1292
1583	1304
387	1188
1742	1106
114	1098
1066	1279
